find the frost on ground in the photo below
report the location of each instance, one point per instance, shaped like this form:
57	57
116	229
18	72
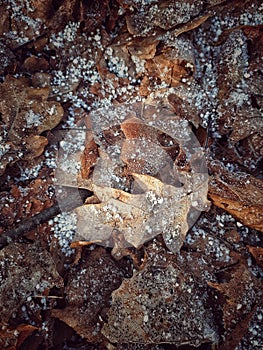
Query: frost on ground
75	76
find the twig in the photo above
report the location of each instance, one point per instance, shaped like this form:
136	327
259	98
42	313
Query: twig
73	201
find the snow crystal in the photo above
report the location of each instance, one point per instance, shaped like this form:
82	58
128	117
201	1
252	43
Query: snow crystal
32	118
64	230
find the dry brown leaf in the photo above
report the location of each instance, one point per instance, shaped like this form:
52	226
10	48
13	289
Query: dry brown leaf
184	109
89	158
167	69
169	66
26	113
234	338
35	64
184	102
35	146
195	23
139	192
240	194
133	215
239	85
146	18
144	49
257	253
25	330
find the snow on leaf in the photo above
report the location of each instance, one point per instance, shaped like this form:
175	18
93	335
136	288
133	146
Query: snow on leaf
160	15
238	193
26	113
160	304
142	187
238	114
25	270
88	291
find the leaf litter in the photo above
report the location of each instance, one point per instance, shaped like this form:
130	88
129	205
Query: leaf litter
82	59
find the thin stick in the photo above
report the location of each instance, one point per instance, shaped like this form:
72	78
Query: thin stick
70	203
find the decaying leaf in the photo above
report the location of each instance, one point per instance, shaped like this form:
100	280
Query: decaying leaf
242	293
25	270
257	253
183	105
88	291
138	217
26	112
12	339
240	113
160	304
145	18
240	194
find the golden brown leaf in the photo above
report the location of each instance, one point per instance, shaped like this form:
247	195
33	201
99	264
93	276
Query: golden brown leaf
240	194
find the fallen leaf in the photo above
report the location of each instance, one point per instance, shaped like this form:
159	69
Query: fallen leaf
88	292
25	330
159	305
162	15
26	113
25	270
142	190
257	253
240	194
242	294
239	116
144	49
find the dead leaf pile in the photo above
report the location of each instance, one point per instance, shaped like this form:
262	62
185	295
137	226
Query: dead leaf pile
135	87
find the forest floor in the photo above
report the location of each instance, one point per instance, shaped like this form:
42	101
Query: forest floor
131	188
